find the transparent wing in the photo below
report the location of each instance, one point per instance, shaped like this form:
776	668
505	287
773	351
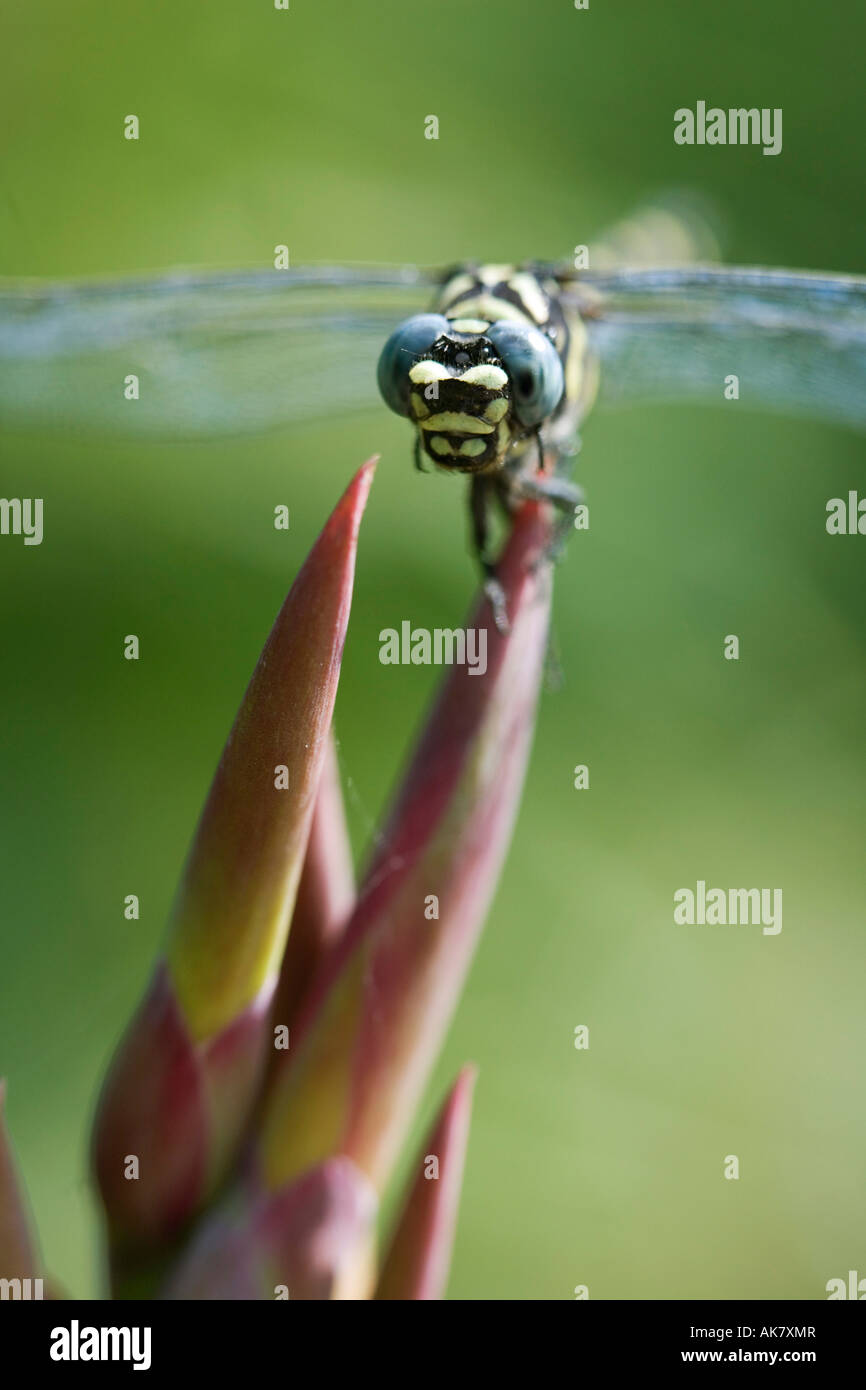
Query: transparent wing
796	341
218	354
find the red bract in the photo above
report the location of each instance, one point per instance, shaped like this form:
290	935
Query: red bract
302	1149
179	1094
375	1022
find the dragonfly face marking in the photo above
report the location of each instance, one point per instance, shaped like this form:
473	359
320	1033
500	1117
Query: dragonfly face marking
448	389
490	378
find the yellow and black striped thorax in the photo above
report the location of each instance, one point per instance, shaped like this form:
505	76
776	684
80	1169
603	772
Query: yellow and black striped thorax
492	293
494	363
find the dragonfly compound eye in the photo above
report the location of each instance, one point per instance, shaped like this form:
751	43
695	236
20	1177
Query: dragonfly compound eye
404	347
533	367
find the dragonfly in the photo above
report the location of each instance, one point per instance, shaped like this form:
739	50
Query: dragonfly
512	358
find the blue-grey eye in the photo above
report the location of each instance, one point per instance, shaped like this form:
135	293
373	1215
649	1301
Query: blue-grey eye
533	367
402	350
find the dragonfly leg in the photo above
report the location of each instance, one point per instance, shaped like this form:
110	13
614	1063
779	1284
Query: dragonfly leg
562	494
479	510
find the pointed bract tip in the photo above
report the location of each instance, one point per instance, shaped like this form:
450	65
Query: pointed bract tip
416	1266
232	914
354	499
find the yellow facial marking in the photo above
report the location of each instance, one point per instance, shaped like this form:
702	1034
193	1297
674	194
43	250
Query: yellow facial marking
471	448
455	421
494	378
441	446
420	408
469	325
496	410
503	437
424	372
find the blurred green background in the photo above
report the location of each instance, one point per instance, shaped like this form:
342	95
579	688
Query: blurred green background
602	1167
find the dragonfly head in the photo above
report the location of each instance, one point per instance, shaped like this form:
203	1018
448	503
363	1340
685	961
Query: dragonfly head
471	387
